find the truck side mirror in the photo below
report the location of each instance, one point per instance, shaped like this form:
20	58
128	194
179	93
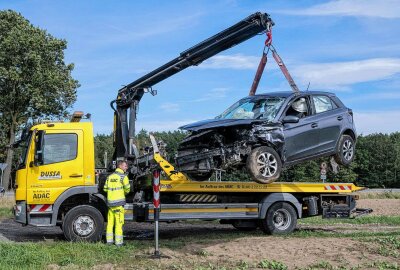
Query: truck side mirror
39	139
290	119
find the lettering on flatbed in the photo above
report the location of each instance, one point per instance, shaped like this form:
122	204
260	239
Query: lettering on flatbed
233	186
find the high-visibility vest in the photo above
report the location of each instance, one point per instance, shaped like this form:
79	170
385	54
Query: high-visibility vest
116	187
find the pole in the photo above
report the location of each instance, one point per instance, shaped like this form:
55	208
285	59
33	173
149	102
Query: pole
3	166
156	203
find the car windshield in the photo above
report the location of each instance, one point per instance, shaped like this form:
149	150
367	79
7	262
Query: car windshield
254	108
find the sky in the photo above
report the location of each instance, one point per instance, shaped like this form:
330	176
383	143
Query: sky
348	47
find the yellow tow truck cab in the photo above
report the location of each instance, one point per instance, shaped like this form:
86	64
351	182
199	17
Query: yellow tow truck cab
57	185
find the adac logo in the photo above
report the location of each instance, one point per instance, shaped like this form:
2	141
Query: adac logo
50	175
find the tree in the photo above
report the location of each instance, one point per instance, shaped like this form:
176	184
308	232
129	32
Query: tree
34	79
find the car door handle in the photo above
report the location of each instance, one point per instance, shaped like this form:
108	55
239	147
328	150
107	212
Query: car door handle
314	125
76	175
340	118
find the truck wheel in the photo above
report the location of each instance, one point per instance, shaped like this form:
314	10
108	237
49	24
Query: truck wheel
83	223
281	218
345	150
264	165
246	226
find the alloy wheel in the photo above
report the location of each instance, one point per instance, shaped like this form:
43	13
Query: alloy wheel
267	164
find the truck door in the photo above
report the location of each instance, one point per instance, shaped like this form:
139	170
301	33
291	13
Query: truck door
57	166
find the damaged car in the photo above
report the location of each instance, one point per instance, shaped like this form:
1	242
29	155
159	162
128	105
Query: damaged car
268	132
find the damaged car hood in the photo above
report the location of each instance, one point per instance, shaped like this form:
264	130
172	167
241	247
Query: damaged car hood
216	123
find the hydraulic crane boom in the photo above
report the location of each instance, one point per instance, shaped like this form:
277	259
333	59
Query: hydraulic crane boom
130	95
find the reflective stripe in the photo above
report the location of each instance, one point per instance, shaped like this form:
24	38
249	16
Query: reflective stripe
116	202
110	237
117	188
119	239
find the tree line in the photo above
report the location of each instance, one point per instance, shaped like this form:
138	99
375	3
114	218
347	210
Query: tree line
35	81
376	164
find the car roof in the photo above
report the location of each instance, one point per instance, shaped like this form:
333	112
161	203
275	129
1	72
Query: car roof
291	93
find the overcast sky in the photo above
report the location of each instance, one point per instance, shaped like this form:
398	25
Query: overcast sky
347	47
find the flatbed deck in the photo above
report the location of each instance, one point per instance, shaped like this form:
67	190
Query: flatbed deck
282	187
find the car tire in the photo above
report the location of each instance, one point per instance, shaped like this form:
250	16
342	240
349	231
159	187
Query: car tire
200	176
264	165
345	150
281	218
83	223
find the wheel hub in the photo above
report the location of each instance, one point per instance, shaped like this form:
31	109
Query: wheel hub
84	225
282	219
267	164
348	150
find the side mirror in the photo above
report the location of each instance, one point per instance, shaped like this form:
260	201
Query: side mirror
39	139
290	119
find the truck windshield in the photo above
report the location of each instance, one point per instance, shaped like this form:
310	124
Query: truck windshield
254	108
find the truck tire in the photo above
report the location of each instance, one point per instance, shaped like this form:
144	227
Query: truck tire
264	165
83	223
345	150
281	218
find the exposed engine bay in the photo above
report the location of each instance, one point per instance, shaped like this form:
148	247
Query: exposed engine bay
204	151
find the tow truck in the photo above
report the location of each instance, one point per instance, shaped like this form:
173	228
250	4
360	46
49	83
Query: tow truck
56	182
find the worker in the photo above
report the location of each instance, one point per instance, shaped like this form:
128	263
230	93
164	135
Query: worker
116	187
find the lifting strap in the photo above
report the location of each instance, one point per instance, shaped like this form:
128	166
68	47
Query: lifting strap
261	66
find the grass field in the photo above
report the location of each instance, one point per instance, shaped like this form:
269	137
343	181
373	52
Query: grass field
379	195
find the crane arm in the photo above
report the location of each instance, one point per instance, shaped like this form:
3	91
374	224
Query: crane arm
130	95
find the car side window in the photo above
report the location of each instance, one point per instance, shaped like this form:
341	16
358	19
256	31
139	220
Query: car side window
59	147
299	108
323	104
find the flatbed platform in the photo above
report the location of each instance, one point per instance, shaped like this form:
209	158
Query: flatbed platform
283	187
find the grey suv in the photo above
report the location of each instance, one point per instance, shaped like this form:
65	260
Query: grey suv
267	132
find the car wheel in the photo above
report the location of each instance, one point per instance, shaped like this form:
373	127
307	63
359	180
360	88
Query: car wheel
264	165
345	150
281	218
200	176
83	223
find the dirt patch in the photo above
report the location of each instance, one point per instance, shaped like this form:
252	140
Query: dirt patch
293	252
381	207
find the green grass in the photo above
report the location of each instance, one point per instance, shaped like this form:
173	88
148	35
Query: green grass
273	265
6	205
39	255
387	246
6	213
384	220
379	195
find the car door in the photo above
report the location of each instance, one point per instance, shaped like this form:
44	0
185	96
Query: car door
330	118
302	138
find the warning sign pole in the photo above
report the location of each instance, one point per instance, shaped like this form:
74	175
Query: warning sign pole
156	203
